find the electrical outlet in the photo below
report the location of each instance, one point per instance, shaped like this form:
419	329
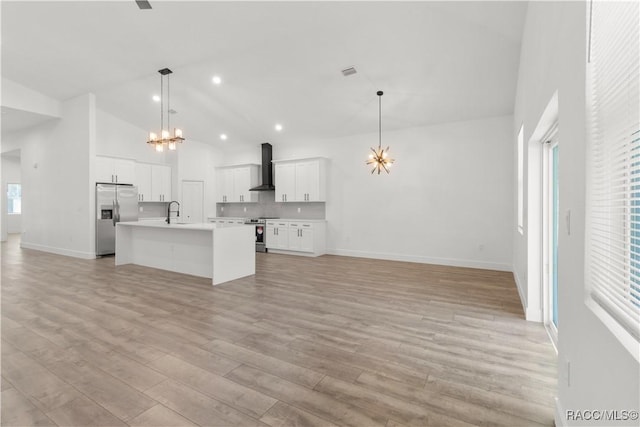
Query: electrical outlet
245	208
299	209
222	209
141	209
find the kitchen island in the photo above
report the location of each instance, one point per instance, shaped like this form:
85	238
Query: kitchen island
205	250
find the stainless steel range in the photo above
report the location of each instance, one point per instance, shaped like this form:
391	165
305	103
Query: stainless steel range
261	232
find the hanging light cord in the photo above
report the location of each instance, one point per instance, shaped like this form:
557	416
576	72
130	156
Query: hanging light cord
379	120
161	104
169	104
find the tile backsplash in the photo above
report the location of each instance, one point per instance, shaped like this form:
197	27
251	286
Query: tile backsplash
267	207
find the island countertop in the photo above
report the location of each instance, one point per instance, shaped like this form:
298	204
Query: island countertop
200	249
178	225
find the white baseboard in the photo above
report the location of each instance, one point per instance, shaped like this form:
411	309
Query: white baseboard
296	253
559	414
58	251
422	259
531	314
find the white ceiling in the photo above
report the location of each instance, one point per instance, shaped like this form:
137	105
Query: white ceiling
280	62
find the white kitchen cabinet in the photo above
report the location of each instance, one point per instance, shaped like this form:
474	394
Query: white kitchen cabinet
296	237
301	180
278	235
308	188
160	183
153	182
301	236
113	170
285	182
234	183
143	182
244	178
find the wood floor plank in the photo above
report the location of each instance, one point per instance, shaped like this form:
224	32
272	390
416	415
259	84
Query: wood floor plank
312	401
263	344
447	405
306	341
288	371
283	415
374	401
44	389
160	416
199	408
84	412
17	410
249	401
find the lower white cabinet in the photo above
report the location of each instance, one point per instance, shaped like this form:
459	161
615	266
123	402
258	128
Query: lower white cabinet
226	221
296	236
278	235
301	236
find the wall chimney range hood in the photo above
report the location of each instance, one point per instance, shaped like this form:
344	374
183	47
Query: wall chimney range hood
267	170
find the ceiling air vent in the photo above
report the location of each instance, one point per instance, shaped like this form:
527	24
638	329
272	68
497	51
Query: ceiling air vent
143	4
349	71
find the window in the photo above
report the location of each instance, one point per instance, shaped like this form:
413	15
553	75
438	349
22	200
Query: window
521	180
613	168
14	198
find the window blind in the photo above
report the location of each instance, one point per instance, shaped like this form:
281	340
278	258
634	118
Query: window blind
613	162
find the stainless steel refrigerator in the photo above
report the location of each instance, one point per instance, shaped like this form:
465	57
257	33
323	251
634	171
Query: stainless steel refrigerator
114	203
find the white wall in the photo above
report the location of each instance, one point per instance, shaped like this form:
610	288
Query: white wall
56	172
10	174
19	97
602	373
118	138
448	199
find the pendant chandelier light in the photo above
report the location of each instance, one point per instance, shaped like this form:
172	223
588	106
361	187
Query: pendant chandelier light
165	138
380	158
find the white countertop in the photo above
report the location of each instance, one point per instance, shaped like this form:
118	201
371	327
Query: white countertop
206	226
297	220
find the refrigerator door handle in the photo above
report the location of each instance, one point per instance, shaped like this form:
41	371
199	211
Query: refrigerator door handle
113	212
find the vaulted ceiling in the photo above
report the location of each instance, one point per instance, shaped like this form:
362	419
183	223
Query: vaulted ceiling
279	62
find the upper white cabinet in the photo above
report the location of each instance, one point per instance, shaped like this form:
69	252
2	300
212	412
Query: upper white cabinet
111	169
301	180
234	183
154	182
143	181
285	182
160	183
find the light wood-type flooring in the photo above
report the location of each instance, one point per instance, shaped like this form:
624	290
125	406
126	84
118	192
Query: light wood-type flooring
328	341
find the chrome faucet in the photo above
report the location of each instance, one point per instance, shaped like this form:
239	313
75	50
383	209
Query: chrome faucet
168	220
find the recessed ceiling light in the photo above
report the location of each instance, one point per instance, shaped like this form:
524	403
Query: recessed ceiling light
156	98
278	127
223	136
216	80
